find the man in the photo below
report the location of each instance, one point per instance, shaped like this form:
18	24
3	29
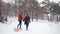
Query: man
20	18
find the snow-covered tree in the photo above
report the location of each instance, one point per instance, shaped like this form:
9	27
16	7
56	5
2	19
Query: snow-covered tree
28	6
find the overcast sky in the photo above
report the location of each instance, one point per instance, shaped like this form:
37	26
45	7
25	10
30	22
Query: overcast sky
38	0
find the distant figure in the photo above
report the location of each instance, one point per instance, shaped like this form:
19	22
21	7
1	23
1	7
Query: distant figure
2	19
20	18
26	21
6	19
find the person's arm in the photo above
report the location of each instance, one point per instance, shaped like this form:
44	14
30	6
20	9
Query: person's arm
24	19
18	16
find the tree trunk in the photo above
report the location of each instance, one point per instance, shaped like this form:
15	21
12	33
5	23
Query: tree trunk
37	17
57	16
0	13
32	15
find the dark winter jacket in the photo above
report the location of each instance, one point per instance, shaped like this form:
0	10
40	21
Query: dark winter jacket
27	20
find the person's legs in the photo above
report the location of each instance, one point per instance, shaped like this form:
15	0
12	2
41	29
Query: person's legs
27	26
20	23
17	25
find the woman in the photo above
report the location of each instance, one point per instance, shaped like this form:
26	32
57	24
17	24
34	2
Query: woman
26	21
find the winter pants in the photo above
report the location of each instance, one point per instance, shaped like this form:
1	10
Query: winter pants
27	26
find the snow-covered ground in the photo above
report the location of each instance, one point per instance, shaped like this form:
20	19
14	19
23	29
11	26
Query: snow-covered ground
40	27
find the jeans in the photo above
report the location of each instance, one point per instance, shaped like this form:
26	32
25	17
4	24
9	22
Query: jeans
20	23
27	26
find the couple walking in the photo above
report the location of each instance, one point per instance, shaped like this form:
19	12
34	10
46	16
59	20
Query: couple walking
26	20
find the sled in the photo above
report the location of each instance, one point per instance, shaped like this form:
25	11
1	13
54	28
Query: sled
18	29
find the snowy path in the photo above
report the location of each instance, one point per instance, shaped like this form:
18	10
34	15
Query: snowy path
40	27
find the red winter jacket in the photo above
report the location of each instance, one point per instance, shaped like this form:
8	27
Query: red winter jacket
20	16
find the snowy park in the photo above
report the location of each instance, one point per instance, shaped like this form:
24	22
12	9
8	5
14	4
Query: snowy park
42	16
35	27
